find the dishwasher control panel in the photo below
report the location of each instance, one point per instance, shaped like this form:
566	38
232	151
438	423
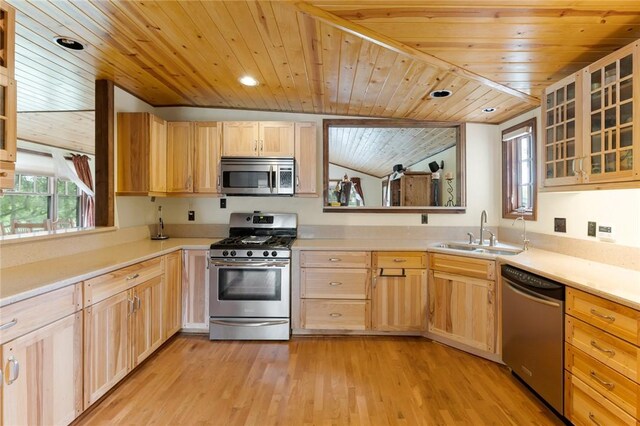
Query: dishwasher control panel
533	281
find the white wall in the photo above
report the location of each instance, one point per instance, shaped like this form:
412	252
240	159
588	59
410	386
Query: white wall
617	208
482	178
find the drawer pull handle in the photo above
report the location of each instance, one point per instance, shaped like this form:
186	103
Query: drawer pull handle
14	370
335	283
592	417
603	316
398	260
132	277
335	315
597	378
131	306
9	324
609	352
3	174
334	259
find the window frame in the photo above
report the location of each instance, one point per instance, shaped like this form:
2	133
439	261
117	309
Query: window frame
511	166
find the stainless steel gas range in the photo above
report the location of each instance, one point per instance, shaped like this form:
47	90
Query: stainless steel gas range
250	278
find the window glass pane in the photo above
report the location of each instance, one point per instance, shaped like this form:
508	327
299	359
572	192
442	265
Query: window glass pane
550	116
550	170
68	210
609	73
550	102
560	132
571	129
596	143
596	101
23	208
610	118
571	148
560	96
626	160
549	153
560	169
613	139
42	184
72	188
27	183
550	135
60	187
596	164
525	173
626	90
524	148
610	162
596	122
525	196
626	113
596	80
626	66
626	137
571	110
559	151
571	91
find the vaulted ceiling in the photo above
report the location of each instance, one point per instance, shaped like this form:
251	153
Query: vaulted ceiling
363	58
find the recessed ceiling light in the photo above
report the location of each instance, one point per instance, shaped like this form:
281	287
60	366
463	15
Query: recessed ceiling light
247	80
489	110
442	93
69	43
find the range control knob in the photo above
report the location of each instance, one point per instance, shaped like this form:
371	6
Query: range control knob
225	253
233	252
274	253
249	253
265	253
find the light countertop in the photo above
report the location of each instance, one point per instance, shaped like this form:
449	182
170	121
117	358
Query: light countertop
24	281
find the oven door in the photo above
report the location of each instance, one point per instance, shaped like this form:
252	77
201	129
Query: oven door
249	288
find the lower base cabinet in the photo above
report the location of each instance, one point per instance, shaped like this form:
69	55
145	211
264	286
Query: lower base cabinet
195	290
399	302
43	375
172	315
148	334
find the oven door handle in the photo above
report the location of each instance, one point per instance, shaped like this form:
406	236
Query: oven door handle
256	264
241	323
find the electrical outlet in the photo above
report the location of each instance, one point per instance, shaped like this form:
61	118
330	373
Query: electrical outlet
223	203
560	224
591	229
192	215
424	219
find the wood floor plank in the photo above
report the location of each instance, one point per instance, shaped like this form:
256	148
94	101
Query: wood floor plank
318	381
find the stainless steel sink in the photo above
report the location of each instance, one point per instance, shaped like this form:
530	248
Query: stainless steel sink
500	249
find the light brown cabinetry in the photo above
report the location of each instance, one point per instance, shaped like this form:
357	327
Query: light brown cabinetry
306	159
207	157
591	123
462	300
399	291
148	334
180	153
602	355
335	290
41	353
42	375
172	315
8	134
195	290
412	189
258	139
142	154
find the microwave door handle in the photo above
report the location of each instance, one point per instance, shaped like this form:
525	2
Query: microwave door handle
270	179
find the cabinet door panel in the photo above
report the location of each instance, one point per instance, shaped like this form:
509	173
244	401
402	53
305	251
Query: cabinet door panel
399	303
148	334
240	139
195	290
207	157
107	345
305	155
47	389
172	315
462	309
179	157
157	154
276	138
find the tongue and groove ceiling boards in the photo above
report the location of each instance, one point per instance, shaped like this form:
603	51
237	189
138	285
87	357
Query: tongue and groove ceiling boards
364	58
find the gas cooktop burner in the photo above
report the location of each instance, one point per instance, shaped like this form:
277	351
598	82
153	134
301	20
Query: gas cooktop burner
254	242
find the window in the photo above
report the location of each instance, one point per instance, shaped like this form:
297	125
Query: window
40	200
519	189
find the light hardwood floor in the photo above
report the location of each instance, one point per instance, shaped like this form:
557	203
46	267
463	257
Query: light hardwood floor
318	381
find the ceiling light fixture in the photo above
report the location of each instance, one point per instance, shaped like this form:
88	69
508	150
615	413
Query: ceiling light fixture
442	93
69	43
247	80
489	110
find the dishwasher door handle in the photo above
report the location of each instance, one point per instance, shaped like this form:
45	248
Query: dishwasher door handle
525	293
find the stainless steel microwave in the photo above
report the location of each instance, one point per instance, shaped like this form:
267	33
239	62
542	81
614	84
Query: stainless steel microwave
257	175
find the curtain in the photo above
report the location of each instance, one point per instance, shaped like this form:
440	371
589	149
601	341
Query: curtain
358	188
87	208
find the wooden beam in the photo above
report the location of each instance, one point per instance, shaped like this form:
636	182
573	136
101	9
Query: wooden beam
400	48
104	200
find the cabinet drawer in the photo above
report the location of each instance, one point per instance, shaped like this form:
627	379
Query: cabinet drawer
585	406
614	386
612	317
28	315
468	266
347	283
7	173
100	288
611	351
335	259
336	314
399	259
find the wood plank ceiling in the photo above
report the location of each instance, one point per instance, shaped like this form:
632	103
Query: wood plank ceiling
372	58
72	130
375	150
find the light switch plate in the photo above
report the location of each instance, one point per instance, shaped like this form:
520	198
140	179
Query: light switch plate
591	229
192	215
560	224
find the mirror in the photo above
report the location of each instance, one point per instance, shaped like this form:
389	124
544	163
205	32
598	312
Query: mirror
393	166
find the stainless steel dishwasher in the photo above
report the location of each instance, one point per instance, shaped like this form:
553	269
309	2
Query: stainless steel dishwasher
533	332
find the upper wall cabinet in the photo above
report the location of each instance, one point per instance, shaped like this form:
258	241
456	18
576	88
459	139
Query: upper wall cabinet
7	95
591	123
258	139
207	157
142	154
305	156
180	153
